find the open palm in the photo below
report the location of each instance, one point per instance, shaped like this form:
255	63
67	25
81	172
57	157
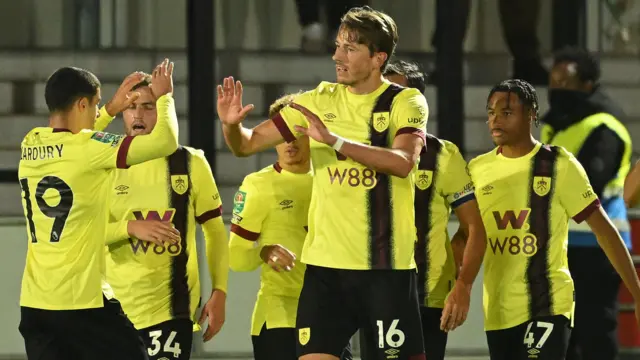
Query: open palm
230	109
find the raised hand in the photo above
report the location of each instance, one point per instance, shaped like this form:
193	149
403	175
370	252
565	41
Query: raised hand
124	97
162	79
317	130
230	109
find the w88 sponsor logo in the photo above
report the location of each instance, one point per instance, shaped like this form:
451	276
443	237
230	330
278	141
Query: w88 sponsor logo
353	177
514	241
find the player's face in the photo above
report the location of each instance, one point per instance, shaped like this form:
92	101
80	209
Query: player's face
354	62
507	119
564	75
293	153
398	79
140	118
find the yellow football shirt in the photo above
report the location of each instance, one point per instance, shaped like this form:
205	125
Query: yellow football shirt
526	204
358	219
271	208
157	283
65	180
442	184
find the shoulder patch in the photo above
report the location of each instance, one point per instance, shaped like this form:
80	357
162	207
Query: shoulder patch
107	138
238	201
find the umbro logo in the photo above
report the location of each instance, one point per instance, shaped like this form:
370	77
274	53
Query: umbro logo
329	117
487	190
533	353
121	189
392	353
286	204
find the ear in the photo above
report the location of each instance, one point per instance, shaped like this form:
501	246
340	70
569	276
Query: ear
532	117
82	103
381	57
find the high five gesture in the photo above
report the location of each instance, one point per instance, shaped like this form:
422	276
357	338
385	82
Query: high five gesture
230	109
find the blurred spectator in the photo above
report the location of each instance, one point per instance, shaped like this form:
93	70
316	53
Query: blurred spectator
585	121
315	36
519	20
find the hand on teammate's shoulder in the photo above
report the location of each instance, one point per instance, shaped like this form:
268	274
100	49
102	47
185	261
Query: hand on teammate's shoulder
162	79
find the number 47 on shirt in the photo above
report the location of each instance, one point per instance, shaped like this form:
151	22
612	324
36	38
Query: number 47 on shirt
528	335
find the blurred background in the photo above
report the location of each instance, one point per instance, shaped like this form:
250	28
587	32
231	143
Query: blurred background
282	46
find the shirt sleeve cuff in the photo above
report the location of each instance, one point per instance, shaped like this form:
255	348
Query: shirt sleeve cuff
208	215
414	131
244	233
587	211
123	150
283	128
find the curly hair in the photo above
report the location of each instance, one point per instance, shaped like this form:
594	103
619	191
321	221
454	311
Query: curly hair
281	103
525	91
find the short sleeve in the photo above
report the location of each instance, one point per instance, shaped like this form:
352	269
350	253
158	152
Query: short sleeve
410	113
288	117
104	150
457	186
249	211
208	204
575	192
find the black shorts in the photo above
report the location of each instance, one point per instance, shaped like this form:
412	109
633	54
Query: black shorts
543	338
435	340
92	334
169	340
335	303
280	343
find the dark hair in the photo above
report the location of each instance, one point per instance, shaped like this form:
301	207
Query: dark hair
525	92
411	70
68	84
588	64
146	81
372	28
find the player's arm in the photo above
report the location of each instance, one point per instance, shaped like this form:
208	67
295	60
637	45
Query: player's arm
408	121
460	194
581	203
157	232
208	211
632	186
240	140
103	120
249	212
458	242
107	151
245	142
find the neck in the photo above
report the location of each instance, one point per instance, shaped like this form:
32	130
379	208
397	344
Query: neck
369	85
520	148
302	167
61	121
